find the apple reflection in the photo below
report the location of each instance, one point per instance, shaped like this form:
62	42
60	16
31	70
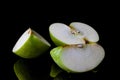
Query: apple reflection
21	70
30	70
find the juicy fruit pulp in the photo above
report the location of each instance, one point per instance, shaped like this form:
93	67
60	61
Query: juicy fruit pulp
89	33
77	49
75	33
75	59
30	45
61	34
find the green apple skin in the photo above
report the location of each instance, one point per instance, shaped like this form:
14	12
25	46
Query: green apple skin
21	70
56	41
32	48
56	54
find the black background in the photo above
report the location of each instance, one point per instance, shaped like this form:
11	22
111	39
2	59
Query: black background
16	19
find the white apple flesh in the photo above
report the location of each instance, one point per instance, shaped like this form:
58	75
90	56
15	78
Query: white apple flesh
62	34
78	59
89	33
75	33
30	45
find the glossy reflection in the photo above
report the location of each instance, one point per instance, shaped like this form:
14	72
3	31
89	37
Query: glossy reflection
55	70
32	69
76	76
60	77
44	68
21	70
58	74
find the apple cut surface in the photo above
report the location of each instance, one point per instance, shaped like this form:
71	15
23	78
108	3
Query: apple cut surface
30	45
76	59
89	33
62	34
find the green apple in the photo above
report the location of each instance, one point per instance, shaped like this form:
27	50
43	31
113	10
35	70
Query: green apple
30	45
75	33
77	58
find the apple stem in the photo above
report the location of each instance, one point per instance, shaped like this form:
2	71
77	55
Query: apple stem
29	31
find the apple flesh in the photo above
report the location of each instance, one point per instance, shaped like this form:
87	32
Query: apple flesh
76	58
89	32
75	33
62	34
30	45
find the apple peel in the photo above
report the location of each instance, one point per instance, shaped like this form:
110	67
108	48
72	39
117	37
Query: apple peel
62	34
30	45
77	49
74	59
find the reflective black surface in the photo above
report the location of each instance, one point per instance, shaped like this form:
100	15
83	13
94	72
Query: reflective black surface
13	25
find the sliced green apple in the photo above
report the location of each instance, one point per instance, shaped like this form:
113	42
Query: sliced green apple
62	34
30	45
78	59
75	33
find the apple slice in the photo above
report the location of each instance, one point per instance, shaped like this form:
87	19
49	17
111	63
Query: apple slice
89	33
30	45
78	59
75	33
62	34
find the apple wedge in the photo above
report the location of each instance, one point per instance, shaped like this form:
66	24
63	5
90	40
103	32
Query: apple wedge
30	45
75	33
75	58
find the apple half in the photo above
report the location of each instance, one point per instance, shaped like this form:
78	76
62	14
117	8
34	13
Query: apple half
76	58
30	44
75	33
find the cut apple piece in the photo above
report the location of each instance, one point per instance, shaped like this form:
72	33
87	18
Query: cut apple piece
62	34
30	45
75	59
89	33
